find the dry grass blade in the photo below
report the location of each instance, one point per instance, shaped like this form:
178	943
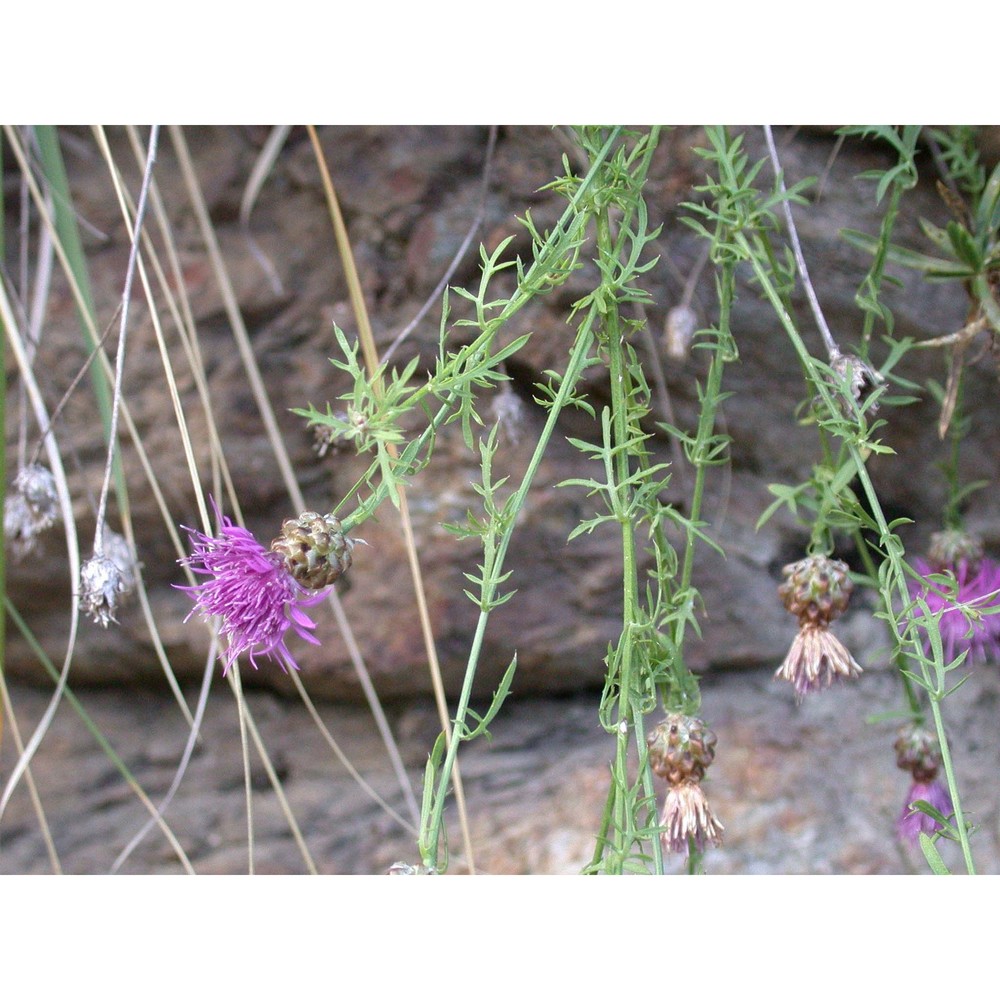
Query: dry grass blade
261	170
36	802
370	352
278	448
72	544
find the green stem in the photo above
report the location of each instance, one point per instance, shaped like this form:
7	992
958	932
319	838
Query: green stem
630	724
430	841
890	542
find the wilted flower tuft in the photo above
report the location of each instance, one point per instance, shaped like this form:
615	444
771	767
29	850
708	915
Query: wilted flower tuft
249	587
816	590
688	817
816	659
681	749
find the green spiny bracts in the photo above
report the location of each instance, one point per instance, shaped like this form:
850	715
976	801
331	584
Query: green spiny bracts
681	748
314	549
816	589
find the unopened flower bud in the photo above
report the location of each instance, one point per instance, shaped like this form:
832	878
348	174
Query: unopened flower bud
862	380
101	585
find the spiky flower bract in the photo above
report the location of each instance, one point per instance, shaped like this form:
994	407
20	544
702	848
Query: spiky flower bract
976	586
249	588
912	822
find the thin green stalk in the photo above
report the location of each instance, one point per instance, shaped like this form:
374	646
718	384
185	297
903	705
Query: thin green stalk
893	546
431	825
935	694
630	717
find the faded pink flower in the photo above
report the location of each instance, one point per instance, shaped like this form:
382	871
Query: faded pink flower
249	588
977	585
688	817
912	822
816	658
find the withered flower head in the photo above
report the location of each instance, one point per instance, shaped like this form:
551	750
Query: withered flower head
816	659
687	817
30	508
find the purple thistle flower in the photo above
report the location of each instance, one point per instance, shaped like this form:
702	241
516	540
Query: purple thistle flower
912	822
978	586
253	593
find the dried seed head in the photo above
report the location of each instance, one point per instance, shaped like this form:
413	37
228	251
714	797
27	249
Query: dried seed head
688	817
101	585
862	380
678	330
817	589
325	439
508	411
681	749
950	548
30	508
314	549
402	868
816	658
107	578
917	751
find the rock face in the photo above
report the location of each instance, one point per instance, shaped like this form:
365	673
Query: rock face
408	196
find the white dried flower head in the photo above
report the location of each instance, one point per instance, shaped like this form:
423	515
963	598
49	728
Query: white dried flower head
100	589
30	508
678	331
508	411
402	868
116	548
862	380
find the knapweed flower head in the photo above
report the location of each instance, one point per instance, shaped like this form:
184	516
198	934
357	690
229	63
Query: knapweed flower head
816	590
250	588
106	578
681	749
912	822
976	588
30	507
